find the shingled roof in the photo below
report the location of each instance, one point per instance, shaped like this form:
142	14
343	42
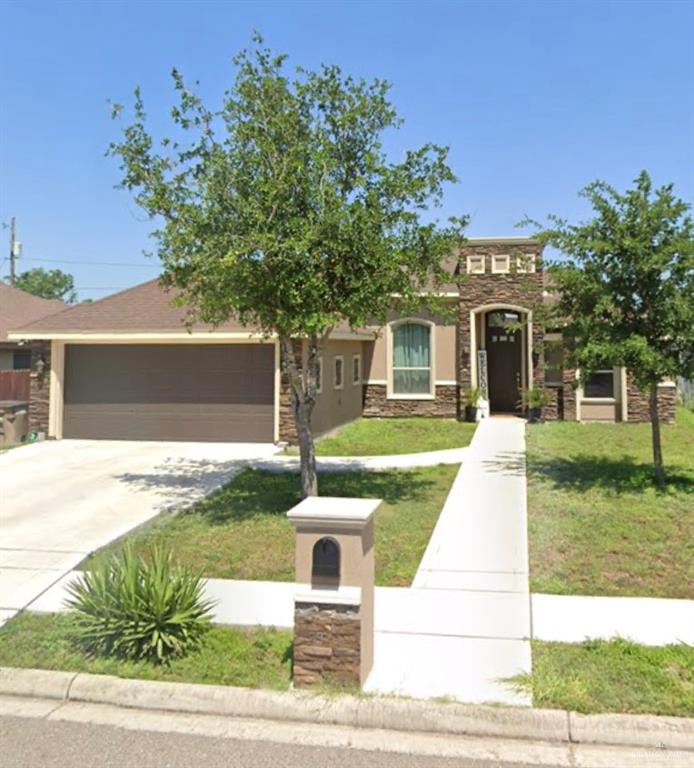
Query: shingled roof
18	308
145	308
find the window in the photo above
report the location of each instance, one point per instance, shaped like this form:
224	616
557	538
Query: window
339	370
599	384
356	369
21	359
412	359
319	376
475	265
501	263
525	262
554	358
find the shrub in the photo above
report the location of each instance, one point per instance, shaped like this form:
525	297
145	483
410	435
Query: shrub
535	397
139	608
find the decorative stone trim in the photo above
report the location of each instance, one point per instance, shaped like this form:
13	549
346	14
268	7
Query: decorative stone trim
445	404
638	407
513	288
39	386
327	644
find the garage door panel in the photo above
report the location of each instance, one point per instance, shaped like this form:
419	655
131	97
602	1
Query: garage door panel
170	392
136	425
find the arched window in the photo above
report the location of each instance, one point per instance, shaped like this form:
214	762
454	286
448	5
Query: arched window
412	359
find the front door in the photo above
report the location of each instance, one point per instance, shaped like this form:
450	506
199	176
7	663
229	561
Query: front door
504	354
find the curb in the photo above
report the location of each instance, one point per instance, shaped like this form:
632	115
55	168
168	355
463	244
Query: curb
549	725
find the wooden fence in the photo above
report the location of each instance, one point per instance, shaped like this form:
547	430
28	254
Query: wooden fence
14	385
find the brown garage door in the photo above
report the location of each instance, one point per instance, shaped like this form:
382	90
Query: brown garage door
210	392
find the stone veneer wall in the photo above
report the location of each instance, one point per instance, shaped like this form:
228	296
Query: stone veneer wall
445	405
569	394
327	644
520	289
39	387
554	410
638	409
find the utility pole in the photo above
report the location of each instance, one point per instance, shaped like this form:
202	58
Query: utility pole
15	250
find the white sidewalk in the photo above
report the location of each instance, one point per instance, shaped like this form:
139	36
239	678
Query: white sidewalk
280	463
464	626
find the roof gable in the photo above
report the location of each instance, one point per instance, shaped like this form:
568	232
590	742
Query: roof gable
19	308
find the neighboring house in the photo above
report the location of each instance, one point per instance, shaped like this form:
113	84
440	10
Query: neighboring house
18	308
125	367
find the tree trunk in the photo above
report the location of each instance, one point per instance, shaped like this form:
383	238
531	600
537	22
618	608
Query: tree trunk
655	433
302	382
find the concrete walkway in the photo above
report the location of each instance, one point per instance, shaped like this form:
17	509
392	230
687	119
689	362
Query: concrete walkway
645	620
61	500
365	463
466	620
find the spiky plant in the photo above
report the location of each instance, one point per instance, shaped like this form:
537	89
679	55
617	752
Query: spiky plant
139	608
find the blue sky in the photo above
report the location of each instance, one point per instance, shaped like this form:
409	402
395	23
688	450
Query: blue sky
535	100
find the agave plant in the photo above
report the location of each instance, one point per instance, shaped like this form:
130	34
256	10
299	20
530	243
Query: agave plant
138	607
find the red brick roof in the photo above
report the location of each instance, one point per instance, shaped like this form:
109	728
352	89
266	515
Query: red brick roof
18	308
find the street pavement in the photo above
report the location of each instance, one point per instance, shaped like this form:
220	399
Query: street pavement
34	743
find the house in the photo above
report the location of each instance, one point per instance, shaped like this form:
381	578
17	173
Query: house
18	308
126	367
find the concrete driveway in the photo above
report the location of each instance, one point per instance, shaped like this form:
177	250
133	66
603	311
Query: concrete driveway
60	501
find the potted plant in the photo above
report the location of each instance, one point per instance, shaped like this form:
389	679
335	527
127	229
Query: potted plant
472	398
534	399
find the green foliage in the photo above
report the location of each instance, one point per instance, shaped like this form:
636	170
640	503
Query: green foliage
48	284
612	676
596	523
242	531
626	292
472	396
134	607
535	397
384	437
253	657
280	206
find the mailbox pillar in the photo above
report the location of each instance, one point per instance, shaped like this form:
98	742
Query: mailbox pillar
334	605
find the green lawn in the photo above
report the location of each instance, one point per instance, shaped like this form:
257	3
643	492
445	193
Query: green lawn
597	524
242	532
615	676
254	658
383	437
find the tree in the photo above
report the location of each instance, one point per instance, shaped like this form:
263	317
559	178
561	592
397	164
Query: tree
49	284
626	292
281	209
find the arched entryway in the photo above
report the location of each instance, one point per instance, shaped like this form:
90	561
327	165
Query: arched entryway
501	354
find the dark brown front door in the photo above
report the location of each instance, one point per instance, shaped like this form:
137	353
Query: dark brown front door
205	392
504	355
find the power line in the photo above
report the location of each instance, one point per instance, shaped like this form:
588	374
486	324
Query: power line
93	263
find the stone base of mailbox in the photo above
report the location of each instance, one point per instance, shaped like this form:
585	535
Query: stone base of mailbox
328	638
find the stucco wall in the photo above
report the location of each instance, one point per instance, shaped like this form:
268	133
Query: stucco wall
599	411
338	406
333	406
376	364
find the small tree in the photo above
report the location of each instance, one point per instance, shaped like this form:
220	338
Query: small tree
283	212
626	293
48	284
